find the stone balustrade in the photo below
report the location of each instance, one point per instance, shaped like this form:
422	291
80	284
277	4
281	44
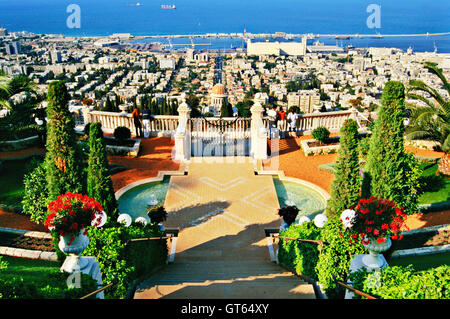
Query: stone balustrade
162	125
306	123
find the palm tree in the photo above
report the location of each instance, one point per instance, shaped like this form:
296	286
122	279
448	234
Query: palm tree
4	89
432	121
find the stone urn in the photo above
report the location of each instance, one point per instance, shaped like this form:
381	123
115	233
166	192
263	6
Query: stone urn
73	262
123	108
373	260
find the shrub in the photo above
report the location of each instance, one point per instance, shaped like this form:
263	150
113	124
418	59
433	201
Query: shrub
393	174
301	257
122	133
404	283
63	159
35	198
289	214
126	262
346	186
321	134
336	256
99	183
52	286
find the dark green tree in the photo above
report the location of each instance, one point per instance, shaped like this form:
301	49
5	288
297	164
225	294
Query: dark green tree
226	110
346	185
63	158
393	174
99	183
108	105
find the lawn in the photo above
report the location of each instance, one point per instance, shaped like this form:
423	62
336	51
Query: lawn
422	262
11	187
29	269
435	188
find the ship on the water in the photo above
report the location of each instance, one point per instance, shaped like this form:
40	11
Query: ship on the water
168	6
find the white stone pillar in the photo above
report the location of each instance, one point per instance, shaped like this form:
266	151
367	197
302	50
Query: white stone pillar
255	126
182	136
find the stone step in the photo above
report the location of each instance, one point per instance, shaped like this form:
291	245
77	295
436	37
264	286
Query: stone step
207	280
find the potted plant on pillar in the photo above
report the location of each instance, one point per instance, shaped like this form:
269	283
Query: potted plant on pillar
69	215
375	221
157	215
289	214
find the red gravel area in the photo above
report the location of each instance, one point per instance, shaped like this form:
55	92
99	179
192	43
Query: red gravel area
22	153
13	220
155	156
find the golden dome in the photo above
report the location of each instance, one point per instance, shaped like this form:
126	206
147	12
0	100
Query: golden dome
218	89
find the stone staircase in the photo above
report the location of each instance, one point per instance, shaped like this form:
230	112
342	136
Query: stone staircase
224	280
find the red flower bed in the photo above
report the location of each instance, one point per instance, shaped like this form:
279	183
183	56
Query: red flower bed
376	219
70	213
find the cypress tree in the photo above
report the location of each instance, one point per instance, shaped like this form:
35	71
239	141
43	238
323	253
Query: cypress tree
393	174
99	183
226	110
63	159
347	182
108	105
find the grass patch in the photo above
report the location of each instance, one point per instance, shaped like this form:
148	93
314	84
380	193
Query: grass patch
29	269
11	187
434	188
422	262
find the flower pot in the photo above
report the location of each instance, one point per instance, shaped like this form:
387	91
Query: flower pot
75	249
373	259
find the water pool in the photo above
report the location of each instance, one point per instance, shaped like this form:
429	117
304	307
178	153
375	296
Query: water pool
135	201
308	200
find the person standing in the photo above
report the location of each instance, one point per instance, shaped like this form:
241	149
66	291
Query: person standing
292	120
272	114
281	124
146	121
137	122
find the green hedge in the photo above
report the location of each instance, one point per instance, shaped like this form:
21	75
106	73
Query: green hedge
336	256
52	286
334	259
126	263
300	257
404	283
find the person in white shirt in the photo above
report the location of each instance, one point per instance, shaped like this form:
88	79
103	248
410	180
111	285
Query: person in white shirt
292	120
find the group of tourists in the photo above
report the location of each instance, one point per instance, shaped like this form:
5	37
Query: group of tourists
282	123
144	128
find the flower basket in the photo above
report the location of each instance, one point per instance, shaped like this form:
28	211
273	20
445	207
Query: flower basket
71	213
289	214
374	222
157	214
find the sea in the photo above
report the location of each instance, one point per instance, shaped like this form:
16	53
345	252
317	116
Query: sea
146	17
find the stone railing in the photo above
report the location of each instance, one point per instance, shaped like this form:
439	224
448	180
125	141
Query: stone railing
162	125
306	123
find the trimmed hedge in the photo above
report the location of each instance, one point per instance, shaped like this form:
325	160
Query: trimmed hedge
404	283
52	286
130	262
336	256
300	257
334	259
